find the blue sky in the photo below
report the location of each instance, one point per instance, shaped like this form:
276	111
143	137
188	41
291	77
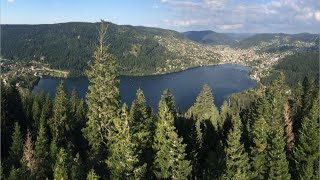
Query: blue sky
289	16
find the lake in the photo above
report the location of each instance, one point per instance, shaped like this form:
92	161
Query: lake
224	80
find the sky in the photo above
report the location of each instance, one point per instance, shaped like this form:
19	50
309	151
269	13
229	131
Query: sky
243	16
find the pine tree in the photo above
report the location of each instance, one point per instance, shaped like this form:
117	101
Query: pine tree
92	175
170	154
141	128
306	154
103	97
259	133
42	155
237	161
59	122
60	170
28	159
122	160
16	148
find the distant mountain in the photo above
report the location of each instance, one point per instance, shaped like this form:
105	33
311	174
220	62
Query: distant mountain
213	38
70	46
281	42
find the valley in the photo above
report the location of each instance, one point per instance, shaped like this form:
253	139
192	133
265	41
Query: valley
139	50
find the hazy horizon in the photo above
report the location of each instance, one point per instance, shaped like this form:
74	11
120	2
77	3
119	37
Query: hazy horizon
229	16
167	28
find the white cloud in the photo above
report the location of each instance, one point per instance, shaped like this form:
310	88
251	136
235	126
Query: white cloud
10	1
215	3
228	15
185	23
230	26
317	15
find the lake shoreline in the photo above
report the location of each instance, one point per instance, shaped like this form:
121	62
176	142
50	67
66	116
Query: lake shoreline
224	79
166	73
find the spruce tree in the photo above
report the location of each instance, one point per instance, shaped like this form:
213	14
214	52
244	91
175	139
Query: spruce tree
36	113
306	154
1	171
237	160
122	160
168	97
15	173
259	133
73	102
277	161
141	128
103	97
224	113
59	122
16	148
60	170
42	155
170	157
204	109
92	175
77	169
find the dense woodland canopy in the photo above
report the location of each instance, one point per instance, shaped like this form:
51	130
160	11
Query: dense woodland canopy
69	46
270	132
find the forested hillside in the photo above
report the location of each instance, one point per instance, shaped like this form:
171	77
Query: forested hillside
215	38
266	133
280	42
69	46
295	68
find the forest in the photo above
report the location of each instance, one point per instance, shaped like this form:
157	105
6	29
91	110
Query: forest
69	46
270	132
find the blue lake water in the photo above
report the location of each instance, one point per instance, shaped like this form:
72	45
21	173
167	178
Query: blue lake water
224	80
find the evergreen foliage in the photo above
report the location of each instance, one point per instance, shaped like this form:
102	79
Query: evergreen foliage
306	154
59	123
92	175
60	170
260	129
142	129
42	156
77	171
122	160
16	148
237	160
169	150
103	97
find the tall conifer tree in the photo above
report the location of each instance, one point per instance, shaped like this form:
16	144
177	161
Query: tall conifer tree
237	161
170	158
42	155
16	148
122	160
103	97
60	170
306	154
141	128
259	133
59	123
